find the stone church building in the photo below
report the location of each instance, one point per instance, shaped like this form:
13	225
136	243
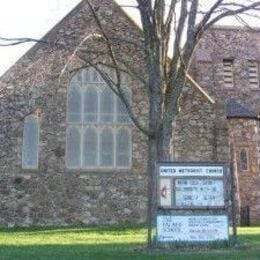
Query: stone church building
69	153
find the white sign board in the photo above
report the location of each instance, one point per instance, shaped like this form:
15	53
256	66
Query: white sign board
184	171
199	192
192	228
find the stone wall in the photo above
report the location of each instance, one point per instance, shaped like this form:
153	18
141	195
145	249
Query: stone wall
239	45
245	135
198	133
235	43
66	199
37	84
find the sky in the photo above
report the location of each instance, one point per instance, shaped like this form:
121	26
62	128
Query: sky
34	18
28	18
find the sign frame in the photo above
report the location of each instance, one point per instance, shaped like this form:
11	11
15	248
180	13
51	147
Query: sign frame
173	177
200	214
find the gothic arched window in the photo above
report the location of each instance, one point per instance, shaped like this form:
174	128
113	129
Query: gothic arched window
30	143
98	125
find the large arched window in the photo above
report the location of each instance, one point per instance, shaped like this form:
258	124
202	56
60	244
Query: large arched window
98	125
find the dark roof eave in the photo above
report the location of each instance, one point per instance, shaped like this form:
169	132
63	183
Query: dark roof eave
244	117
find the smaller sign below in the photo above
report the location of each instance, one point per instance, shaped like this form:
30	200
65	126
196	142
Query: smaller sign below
192	228
165	192
199	192
184	171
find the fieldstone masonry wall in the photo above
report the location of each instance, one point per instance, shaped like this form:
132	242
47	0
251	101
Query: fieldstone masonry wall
235	43
239	45
64	199
245	135
37	84
198	135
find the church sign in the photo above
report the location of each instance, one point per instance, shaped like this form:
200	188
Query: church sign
192	228
198	191
192	185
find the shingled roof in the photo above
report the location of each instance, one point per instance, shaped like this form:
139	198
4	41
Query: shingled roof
235	109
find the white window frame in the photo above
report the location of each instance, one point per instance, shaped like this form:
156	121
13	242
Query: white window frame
115	125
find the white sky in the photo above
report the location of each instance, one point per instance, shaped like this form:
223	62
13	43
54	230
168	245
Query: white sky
28	18
32	18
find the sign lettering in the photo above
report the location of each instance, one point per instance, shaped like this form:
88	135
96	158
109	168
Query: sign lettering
199	192
182	171
192	228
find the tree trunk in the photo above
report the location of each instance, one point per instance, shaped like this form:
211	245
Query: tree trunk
164	143
151	206
159	151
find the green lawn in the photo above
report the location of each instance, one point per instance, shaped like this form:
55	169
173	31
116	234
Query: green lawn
122	242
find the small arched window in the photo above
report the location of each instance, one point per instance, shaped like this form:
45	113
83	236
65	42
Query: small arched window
30	149
244	159
98	125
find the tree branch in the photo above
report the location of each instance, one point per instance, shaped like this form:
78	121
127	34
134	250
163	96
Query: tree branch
17	41
116	86
231	13
205	19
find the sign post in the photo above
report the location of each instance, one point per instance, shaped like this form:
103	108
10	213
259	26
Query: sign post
192	202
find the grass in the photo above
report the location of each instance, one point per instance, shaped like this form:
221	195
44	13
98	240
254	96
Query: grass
118	242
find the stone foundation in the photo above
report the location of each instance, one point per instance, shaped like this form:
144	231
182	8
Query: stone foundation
71	199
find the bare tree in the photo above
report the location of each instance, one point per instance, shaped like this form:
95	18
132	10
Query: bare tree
175	25
186	22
